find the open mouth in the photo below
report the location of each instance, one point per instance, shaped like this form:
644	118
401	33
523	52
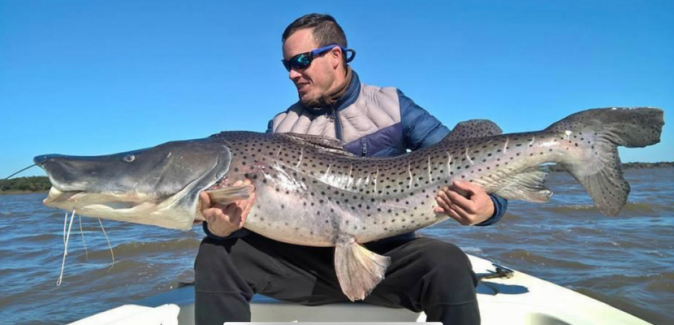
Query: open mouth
57	196
83	200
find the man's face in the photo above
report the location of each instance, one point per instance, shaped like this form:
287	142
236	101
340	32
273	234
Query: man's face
315	80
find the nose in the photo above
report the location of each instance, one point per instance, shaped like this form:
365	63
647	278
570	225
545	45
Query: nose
40	160
293	74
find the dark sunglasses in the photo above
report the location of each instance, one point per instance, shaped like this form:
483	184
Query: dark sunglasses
303	60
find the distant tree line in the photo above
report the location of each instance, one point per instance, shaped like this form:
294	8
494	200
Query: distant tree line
25	184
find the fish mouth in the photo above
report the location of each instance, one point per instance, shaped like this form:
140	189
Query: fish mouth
144	208
57	196
157	186
82	200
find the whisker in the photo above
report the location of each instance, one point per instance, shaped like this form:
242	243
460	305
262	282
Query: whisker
106	238
65	249
65	222
86	252
8	177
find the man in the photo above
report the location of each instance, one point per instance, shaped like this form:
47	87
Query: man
425	274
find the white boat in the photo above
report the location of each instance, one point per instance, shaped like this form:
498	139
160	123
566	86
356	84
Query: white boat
505	297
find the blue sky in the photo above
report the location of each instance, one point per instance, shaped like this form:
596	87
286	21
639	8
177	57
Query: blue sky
98	77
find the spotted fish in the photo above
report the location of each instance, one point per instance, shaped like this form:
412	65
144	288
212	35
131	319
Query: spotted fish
309	191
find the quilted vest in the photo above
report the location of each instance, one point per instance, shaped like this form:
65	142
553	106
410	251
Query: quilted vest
368	125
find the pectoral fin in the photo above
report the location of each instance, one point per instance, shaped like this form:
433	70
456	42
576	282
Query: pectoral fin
358	269
230	194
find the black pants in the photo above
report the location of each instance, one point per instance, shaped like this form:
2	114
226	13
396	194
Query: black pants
425	275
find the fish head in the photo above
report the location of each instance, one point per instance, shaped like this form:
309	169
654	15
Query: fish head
156	186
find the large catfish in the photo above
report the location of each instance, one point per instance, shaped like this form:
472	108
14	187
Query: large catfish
309	191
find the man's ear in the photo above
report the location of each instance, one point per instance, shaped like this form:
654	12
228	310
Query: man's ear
336	57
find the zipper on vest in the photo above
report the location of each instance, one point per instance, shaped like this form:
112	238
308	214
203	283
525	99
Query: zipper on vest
338	127
363	146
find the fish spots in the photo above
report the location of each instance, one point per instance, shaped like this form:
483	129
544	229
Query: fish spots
376	191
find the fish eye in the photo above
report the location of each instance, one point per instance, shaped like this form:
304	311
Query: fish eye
129	158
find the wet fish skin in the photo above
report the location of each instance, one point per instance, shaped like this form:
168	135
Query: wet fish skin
309	191
307	196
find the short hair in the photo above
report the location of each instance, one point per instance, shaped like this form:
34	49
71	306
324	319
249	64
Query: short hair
325	29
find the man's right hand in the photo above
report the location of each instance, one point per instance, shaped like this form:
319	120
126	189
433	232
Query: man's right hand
223	220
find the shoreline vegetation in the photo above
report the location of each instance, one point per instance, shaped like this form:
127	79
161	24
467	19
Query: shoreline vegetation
25	185
37	184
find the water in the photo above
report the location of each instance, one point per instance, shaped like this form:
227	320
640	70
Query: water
625	261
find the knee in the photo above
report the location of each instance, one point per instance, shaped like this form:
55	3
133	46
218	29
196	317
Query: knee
215	272
448	276
212	255
445	259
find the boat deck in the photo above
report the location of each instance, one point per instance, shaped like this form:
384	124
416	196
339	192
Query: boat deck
505	297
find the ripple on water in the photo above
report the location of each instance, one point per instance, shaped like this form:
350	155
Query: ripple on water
532	258
625	261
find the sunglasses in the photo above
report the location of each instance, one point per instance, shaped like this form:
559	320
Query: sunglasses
303	60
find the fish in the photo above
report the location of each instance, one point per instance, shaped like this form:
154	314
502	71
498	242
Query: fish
310	191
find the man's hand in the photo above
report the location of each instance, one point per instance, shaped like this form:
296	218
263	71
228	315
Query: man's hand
474	207
223	220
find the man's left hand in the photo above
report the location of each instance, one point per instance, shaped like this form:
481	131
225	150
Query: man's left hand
471	208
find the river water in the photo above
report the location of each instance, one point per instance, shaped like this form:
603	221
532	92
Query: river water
625	261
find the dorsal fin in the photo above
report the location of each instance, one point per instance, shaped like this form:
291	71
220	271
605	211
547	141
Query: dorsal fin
319	142
473	129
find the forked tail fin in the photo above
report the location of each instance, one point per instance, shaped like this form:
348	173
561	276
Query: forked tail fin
628	127
599	132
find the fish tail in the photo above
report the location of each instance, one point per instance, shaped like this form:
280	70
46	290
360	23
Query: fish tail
628	127
598	168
